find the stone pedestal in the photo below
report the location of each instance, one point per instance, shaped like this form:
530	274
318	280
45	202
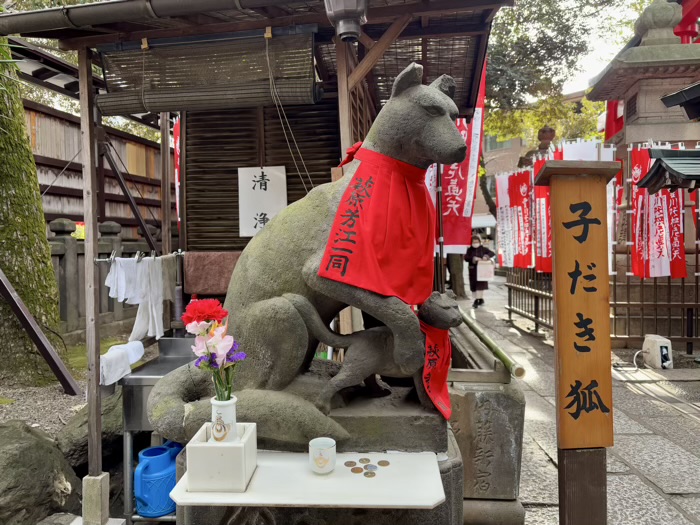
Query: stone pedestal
391	423
488	421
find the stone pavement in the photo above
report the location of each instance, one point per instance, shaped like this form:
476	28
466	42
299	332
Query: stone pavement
654	467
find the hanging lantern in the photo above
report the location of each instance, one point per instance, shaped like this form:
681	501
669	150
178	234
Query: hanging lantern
347	16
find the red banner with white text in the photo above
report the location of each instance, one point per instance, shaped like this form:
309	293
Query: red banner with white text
658	244
543	225
504	222
458	193
520	191
639	166
460	181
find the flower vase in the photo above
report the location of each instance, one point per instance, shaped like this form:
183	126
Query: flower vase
223	420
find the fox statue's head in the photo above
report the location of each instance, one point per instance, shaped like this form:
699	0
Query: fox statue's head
417	125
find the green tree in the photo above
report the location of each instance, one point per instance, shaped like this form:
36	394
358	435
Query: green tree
25	256
571	120
535	46
533	49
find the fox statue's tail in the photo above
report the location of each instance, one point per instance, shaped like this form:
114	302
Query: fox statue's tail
315	324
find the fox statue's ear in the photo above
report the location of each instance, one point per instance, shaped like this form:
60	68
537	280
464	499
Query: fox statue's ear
408	78
446	84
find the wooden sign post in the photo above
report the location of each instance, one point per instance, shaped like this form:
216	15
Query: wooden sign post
582	335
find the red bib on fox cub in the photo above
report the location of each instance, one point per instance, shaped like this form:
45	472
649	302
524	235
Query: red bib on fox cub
383	235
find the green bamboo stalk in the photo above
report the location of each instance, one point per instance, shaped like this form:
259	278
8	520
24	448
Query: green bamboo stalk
513	367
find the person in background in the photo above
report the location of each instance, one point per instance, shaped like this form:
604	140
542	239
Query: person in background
475	253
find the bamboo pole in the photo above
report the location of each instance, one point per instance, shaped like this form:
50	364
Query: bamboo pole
513	367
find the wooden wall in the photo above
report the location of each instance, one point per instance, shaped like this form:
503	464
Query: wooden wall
55	140
217	143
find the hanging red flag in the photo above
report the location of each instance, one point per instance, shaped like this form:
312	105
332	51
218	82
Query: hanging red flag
679	269
460	181
505	238
657	226
639	165
176	162
614	119
543	225
520	190
456	222
620	185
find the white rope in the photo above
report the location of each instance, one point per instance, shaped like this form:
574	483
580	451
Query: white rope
62	172
283	119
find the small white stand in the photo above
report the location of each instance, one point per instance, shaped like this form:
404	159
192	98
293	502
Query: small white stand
224	466
284	479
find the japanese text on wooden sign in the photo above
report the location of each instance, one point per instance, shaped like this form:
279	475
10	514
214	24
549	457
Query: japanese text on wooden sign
582	306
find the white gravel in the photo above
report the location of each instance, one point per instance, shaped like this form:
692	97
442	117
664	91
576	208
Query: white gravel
47	408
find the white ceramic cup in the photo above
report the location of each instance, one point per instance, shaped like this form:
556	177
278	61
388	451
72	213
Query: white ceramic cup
322	455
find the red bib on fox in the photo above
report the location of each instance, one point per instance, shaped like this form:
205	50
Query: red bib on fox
383	235
438	360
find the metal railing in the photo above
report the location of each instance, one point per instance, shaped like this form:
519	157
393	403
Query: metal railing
661	306
530	296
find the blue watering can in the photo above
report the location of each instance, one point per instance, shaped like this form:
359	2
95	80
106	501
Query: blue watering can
154	478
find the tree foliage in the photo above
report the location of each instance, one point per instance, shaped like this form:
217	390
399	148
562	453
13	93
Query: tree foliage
535	46
571	120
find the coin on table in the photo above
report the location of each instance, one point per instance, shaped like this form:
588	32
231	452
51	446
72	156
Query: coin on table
356	470
350	463
383	463
370	474
370	467
364	461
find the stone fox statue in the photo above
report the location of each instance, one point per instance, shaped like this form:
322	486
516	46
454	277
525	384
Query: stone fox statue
370	351
417	126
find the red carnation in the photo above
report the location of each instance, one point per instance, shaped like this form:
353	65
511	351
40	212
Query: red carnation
204	310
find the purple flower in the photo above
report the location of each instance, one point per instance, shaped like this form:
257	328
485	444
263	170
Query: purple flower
212	362
233	356
200	360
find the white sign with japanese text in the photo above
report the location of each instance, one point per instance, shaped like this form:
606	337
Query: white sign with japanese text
262	194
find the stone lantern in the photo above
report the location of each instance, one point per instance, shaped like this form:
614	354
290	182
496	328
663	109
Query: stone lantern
652	65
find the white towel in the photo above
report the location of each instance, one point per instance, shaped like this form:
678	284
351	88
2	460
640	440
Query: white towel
139	279
121	280
149	317
134	349
114	365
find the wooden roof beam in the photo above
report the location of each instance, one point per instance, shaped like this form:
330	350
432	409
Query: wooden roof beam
367	43
366	40
414	30
376	16
377	51
489	15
